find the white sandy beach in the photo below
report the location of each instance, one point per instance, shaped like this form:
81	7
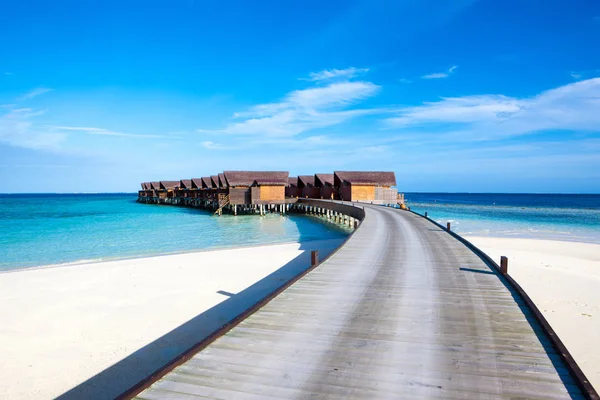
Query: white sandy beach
563	279
118	321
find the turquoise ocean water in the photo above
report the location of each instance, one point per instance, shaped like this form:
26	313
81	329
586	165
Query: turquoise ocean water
38	230
568	217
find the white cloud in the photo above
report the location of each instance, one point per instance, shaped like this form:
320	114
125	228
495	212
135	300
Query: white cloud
337	94
571	107
437	75
17	129
303	110
7	73
329	74
210	145
100	131
35	92
584	74
441	75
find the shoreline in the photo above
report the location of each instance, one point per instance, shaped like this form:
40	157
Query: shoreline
562	278
142	257
108	325
466	235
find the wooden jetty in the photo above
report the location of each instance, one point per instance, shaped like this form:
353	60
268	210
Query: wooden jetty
403	310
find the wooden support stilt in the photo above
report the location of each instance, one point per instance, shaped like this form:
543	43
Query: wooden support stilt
448	226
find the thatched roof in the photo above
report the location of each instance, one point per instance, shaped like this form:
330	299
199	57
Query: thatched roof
248	178
293	181
366	178
206	182
322	180
155	185
185	184
166	185
196	183
306	181
214	181
146	186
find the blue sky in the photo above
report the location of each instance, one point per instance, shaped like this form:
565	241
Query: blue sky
459	96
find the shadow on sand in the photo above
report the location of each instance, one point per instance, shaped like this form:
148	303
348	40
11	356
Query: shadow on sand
126	373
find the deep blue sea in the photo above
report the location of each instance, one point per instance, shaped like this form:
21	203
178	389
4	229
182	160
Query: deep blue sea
52	229
570	217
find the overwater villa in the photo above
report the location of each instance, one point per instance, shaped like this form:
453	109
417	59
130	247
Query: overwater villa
291	189
325	184
365	186
262	191
306	185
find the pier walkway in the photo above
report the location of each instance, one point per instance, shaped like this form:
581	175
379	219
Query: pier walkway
402	311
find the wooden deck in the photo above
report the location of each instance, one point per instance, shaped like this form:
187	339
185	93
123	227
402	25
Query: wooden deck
402	311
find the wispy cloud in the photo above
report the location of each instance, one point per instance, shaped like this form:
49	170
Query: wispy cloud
34	93
7	73
17	128
211	145
100	131
304	110
584	74
441	75
23	127
571	107
404	80
330	74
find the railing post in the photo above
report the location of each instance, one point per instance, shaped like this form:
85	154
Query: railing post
504	265
448	226
425	214
314	258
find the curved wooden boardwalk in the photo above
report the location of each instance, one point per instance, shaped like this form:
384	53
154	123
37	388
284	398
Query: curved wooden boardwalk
402	311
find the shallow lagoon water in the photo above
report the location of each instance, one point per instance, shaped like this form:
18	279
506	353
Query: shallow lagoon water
38	230
49	229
